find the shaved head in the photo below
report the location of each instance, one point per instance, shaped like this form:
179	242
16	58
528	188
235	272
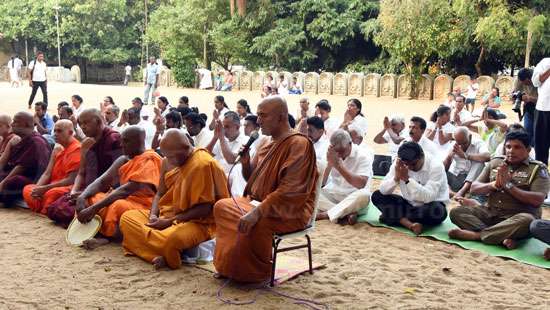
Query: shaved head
5	120
5	125
273	116
63	131
23	124
26	118
133	141
176	147
91	122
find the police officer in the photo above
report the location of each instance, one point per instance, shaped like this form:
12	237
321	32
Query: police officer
516	187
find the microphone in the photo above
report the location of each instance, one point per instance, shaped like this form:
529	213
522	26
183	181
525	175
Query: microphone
253	137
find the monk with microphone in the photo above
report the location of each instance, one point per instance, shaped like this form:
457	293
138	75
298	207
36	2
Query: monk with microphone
278	198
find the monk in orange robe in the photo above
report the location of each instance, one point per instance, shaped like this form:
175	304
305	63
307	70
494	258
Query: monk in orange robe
61	172
138	172
279	198
181	214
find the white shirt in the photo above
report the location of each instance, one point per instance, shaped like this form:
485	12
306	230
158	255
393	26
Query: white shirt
361	122
331	125
222	113
283	88
321	148
472	91
392	146
427	185
464	115
234	146
128	70
206	78
150	130
447	129
360	163
203	138
39	70
543	103
461	165
429	148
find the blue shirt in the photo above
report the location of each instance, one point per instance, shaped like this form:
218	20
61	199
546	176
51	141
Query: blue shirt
152	71
47	122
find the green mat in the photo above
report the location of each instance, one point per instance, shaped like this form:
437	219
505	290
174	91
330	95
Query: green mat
529	251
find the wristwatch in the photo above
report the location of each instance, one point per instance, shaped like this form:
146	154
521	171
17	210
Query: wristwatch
509	185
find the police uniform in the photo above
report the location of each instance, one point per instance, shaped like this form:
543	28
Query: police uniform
504	217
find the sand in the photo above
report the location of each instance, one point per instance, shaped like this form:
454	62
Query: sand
367	267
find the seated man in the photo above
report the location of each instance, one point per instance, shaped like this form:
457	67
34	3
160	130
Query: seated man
461	116
9	139
346	180
26	162
516	187
393	134
61	172
195	124
465	162
181	214
492	130
42	121
541	230
172	119
279	198
423	186
417	127
138	172
98	151
316	132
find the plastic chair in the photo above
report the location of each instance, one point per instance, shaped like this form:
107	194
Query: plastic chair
277	238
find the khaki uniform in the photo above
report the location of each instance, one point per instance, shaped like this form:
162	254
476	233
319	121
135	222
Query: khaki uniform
505	217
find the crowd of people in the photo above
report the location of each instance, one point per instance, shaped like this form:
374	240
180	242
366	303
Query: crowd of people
165	179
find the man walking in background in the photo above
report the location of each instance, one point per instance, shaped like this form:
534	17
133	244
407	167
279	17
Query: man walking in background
128	74
37	78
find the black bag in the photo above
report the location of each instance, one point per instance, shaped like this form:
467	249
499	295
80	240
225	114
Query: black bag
381	165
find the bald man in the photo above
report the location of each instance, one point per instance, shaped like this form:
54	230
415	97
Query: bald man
181	214
61	172
279	198
6	133
98	151
27	159
137	171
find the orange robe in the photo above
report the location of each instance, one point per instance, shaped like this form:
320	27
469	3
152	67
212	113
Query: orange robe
284	183
65	163
144	168
201	180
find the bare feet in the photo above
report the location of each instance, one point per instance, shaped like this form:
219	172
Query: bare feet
510	244
321	216
159	262
462	234
547	254
94	243
416	228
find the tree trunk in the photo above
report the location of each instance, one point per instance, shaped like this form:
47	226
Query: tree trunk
205	49
528	47
232	7
241	7
479	60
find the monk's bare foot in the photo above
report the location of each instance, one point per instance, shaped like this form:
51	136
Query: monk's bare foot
322	216
510	244
416	228
159	262
547	254
94	243
462	234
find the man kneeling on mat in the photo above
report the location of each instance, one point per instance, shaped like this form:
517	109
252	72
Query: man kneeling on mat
516	187
423	186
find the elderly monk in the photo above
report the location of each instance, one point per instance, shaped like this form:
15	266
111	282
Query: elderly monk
98	151
27	160
9	139
137	171
61	172
181	214
279	198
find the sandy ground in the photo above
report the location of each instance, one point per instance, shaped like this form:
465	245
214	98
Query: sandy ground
366	267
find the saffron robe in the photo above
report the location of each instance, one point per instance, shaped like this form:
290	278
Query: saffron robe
200	180
284	183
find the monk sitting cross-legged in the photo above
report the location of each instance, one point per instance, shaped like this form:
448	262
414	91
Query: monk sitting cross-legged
61	172
138	173
181	215
279	198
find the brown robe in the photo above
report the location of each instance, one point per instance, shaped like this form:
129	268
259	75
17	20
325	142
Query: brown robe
284	183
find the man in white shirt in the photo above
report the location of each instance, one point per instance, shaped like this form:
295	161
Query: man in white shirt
346	181
37	78
417	127
316	132
151	80
127	74
225	146
542	109
322	109
148	126
195	125
393	134
472	93
465	162
205	78
424	191
461	116
111	118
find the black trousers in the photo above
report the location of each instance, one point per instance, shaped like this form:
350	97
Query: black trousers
542	135
44	90
395	207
